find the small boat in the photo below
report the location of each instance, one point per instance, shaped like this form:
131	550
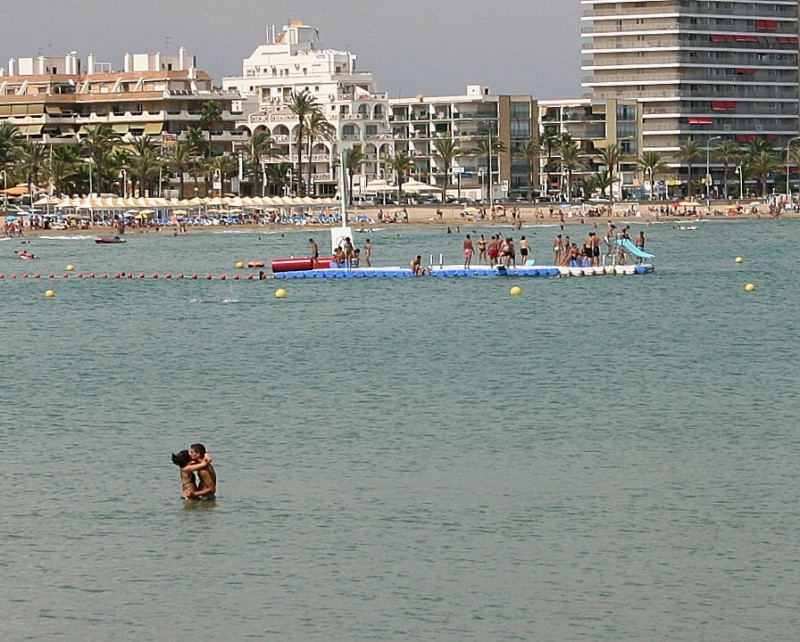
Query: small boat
687	227
108	239
26	256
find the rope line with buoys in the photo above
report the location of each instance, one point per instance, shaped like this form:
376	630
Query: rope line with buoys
140	276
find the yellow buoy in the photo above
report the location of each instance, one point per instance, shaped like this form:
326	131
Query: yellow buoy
515	291
50	294
280	293
70	268
738	259
239	265
750	287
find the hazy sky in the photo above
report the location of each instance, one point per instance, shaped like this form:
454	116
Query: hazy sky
433	47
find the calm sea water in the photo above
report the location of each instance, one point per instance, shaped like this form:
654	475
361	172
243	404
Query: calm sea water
421	459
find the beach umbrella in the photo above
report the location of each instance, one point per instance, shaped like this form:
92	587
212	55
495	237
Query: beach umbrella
11	218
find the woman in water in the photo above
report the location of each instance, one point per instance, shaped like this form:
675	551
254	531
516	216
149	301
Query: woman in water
189	481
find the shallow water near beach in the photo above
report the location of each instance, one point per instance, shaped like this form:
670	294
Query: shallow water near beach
601	458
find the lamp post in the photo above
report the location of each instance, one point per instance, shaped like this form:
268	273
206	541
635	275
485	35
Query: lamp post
740	173
649	170
489	129
708	168
5	189
217	178
788	181
123	174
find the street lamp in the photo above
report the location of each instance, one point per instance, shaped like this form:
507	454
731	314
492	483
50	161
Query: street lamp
5	189
123	174
649	170
489	129
217	181
788	181
740	174
708	167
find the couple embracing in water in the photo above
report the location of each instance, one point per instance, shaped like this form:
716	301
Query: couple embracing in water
198	477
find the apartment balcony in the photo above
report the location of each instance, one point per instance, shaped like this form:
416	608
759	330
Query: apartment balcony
768	13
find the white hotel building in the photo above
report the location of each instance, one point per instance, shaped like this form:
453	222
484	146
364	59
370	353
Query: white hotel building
293	60
703	69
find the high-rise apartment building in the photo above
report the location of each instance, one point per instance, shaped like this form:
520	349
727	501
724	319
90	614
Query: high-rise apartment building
703	69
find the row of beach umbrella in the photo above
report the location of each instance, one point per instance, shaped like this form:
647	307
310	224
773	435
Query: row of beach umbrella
117	203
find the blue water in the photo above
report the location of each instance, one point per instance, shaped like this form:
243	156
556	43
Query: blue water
602	458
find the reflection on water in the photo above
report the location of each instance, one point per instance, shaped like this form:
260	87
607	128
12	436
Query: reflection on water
600	458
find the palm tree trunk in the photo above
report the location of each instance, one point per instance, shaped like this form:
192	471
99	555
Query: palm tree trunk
300	160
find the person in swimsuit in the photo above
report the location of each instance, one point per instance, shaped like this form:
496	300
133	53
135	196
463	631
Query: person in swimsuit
368	253
494	250
481	249
207	476
523	250
469	250
182	460
314	252
416	266
558	246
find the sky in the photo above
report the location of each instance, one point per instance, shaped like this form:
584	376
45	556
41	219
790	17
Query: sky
430	47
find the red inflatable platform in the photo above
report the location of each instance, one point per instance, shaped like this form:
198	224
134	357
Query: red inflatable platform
300	264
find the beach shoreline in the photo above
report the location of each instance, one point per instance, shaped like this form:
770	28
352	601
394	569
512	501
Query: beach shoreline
427	216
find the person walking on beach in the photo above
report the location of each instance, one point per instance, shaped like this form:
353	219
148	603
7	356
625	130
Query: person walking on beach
469	250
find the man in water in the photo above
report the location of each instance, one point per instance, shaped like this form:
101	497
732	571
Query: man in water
207	485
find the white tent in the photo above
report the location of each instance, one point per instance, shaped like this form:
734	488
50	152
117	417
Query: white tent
418	187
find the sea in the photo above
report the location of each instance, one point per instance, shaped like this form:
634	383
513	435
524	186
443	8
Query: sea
599	459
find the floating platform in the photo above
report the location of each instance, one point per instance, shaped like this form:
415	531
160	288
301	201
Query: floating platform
450	271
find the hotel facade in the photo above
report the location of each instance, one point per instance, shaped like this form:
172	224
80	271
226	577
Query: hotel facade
705	70
55	100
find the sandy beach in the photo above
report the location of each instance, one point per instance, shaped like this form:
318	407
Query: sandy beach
456	217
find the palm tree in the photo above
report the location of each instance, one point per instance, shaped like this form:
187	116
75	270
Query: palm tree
195	142
761	163
278	176
610	156
258	149
531	151
223	166
447	150
651	163
727	152
488	146
32	162
317	128
181	159
690	152
210	117
794	160
602	180
548	141
99	142
572	157
63	166
144	162
400	163
302	105
10	141
353	160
